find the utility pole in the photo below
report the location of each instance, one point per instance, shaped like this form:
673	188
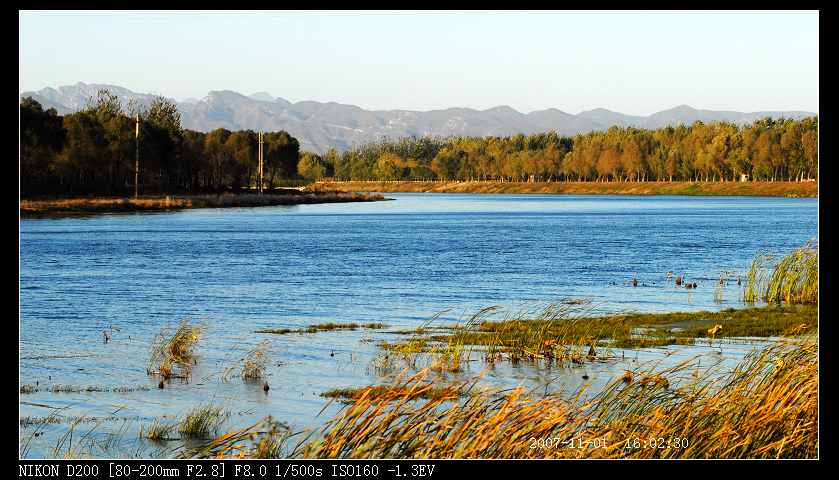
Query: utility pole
137	155
261	163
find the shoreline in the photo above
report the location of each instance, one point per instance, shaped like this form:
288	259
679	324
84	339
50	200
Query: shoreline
749	189
63	207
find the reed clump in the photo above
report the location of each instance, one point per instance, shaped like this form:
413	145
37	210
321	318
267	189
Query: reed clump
202	421
172	351
252	366
766	407
793	279
263	439
157	431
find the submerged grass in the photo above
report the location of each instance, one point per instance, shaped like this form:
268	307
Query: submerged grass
427	391
29	388
323	327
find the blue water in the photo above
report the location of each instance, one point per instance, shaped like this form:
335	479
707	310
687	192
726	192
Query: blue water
397	262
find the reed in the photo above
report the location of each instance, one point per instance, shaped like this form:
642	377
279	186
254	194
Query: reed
172	350
562	333
793	279
271	443
251	367
157	431
202	421
766	407
263	439
719	288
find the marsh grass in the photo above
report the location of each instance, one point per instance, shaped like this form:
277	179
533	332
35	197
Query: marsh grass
172	350
421	391
202	421
564	334
57	388
92	443
719	288
72	419
271	443
323	327
252	366
158	431
264	439
792	279
549	335
767	407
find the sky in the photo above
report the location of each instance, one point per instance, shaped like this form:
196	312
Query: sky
632	62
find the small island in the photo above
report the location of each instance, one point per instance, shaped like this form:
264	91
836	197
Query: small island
59	207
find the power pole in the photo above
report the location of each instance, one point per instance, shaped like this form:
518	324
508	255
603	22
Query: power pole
261	150
137	155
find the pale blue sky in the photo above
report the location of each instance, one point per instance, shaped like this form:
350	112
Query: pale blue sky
632	62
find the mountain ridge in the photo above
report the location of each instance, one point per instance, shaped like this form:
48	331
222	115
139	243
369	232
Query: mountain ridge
320	126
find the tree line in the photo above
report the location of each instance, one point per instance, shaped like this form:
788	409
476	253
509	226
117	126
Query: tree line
766	150
93	151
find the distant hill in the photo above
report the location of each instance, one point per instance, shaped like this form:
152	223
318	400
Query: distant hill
321	126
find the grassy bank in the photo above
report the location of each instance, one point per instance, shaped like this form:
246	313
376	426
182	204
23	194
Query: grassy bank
770	189
88	206
562	335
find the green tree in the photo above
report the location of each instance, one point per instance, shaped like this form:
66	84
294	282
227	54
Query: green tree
312	166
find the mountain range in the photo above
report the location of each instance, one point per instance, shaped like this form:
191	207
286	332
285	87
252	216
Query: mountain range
321	126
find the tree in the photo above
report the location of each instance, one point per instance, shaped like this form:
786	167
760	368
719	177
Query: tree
281	154
84	159
446	164
219	158
312	166
42	137
389	166
241	146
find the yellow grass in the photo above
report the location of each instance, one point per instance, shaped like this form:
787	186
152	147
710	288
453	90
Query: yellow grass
767	407
172	350
792	279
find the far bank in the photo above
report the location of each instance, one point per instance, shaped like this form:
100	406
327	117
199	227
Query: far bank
765	189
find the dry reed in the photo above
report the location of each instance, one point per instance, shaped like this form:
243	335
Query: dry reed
767	407
793	279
